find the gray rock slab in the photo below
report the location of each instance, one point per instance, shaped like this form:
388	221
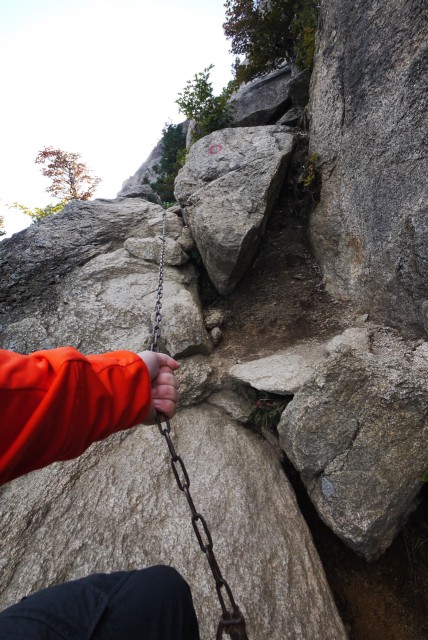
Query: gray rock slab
182	323
357	432
34	261
263	100
292	117
70	281
199	377
150	249
118	507
284	372
227	190
368	127
145	173
143	191
174	226
237	403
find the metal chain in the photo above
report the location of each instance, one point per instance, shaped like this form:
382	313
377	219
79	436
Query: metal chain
232	621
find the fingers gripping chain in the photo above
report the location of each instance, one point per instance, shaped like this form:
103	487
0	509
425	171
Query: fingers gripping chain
232	622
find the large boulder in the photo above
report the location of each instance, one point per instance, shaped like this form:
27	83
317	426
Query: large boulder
369	130
357	431
143	191
79	279
118	507
227	190
267	98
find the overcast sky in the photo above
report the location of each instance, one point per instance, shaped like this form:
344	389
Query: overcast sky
98	77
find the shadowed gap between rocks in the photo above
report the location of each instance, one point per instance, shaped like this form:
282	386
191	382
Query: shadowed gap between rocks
384	600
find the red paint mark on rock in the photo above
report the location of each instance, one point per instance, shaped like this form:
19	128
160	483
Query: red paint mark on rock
215	148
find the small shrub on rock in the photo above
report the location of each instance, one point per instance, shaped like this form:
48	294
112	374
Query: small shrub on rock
198	103
173	148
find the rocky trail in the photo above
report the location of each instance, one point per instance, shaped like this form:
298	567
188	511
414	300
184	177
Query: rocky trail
303	349
280	300
77	290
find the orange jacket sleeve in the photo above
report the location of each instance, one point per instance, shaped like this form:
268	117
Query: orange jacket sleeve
54	404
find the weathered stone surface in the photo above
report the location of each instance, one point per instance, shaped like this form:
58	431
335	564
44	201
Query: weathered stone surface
369	128
185	240
357	432
292	117
216	335
283	373
143	191
237	402
174	225
182	323
265	99
353	339
118	507
213	318
150	249
34	261
271	436
68	281
199	377
145	172
227	189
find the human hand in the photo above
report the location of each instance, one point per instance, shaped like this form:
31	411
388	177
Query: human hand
164	384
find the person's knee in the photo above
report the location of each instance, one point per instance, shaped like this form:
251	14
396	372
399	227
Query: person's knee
165	580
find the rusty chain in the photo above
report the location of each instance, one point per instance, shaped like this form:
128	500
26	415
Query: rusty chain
232	621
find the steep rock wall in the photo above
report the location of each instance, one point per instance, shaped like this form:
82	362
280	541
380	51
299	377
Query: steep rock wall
368	127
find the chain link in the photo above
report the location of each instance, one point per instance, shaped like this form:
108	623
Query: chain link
232	621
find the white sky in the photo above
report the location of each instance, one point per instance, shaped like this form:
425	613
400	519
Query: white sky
97	77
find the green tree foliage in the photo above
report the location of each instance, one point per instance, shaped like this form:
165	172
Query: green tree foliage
2	230
266	33
70	178
173	146
198	103
38	213
303	30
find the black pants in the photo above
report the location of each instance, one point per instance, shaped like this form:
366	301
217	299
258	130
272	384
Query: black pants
150	604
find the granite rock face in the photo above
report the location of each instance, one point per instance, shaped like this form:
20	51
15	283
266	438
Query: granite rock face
145	173
368	109
143	191
71	280
357	431
118	507
139	183
265	99
150	249
227	190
